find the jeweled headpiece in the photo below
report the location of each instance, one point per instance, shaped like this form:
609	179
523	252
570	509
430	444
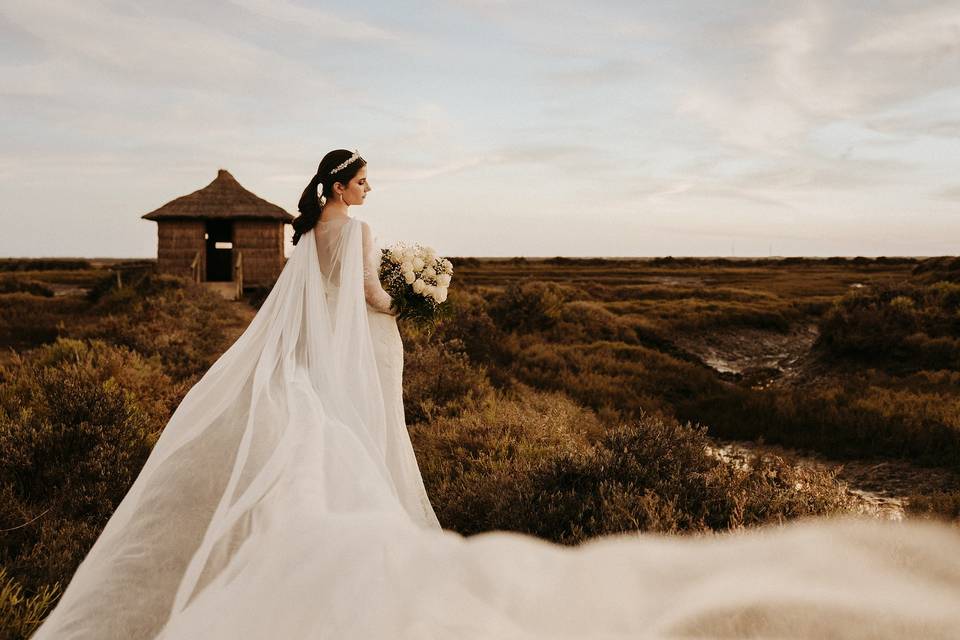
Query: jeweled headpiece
355	156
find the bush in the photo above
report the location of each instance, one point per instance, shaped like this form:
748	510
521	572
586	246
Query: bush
182	323
73	428
583	321
943	268
439	379
845	418
15	285
942	505
20	613
77	422
537	463
470	323
27	320
528	306
902	327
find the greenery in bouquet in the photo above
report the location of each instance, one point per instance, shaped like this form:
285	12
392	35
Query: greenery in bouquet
417	279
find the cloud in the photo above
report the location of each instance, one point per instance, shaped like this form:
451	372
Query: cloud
949	193
818	63
595	74
326	24
752	118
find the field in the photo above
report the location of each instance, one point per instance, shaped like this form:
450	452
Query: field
563	398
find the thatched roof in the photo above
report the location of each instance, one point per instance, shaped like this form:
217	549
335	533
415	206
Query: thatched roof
222	199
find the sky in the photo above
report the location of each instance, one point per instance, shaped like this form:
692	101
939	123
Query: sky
494	127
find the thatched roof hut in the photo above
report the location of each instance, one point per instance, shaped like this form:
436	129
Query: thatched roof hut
221	233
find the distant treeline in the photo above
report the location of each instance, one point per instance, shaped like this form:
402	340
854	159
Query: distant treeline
73	264
667	261
43	264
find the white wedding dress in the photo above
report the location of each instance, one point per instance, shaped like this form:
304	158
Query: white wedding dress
283	500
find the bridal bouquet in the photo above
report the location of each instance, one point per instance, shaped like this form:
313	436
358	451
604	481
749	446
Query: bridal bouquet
417	278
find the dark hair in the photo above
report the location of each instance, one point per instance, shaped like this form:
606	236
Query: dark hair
309	204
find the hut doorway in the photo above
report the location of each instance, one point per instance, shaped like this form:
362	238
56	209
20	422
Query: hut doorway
219	239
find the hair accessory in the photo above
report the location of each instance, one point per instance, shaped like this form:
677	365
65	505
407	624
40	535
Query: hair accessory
356	154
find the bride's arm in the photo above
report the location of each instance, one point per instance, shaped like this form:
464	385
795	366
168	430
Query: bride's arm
373	291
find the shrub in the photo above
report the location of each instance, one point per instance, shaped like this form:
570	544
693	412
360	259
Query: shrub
583	321
470	323
941	505
903	327
20	613
173	318
845	418
943	268
27	320
77	422
528	306
439	379
14	285
537	463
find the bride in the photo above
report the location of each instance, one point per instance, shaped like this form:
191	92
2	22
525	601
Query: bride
283	500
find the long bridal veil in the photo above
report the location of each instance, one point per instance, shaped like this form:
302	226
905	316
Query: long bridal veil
272	507
288	421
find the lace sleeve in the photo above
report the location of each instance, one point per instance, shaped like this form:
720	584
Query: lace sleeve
373	291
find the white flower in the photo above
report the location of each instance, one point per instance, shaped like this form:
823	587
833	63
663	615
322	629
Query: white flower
448	265
418	285
406	265
443	280
441	294
395	256
408	277
418	263
430	272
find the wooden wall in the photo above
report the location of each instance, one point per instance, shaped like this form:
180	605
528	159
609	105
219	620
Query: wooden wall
261	242
177	243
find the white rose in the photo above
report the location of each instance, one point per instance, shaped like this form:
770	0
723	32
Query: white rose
395	256
430	272
443	280
441	294
448	265
418	263
406	265
408	277
418	285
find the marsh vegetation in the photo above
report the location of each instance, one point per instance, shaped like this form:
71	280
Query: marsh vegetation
564	398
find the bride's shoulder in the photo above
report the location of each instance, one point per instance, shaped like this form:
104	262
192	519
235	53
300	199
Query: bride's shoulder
364	226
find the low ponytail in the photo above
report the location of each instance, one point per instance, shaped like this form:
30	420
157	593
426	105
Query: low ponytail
309	207
310	204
